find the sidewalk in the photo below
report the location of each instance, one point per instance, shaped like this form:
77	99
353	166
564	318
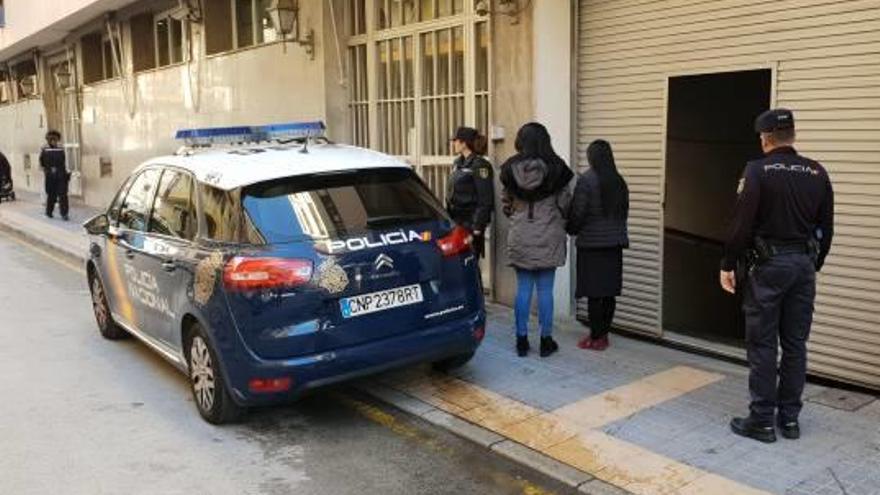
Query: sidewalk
638	418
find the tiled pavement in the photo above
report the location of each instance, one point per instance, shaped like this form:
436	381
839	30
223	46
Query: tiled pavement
679	441
640	416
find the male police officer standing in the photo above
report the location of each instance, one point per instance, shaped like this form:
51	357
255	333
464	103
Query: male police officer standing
470	195
783	225
52	162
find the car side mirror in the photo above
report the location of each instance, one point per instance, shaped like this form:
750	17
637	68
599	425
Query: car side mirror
98	225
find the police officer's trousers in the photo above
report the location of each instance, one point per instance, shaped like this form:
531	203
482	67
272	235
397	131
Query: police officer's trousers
56	192
778	306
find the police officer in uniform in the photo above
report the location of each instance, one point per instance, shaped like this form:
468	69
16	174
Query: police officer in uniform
470	195
52	161
783	226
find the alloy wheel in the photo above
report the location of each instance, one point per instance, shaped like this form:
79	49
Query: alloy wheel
99	303
202	373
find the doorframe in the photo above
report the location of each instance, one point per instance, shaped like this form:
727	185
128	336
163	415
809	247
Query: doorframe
773	67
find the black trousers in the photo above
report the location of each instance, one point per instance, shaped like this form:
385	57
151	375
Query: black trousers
56	192
600	311
778	304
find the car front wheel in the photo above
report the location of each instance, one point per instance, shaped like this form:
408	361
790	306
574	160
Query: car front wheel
106	325
209	390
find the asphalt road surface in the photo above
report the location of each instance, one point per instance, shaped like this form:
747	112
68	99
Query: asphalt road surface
82	415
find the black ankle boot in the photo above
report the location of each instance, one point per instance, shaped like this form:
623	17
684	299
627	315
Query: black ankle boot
522	346
548	346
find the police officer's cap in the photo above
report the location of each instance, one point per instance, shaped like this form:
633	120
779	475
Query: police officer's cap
53	134
776	119
466	134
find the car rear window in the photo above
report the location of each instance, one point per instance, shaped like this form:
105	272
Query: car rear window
331	206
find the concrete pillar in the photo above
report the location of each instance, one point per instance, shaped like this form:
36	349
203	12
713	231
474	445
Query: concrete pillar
552	55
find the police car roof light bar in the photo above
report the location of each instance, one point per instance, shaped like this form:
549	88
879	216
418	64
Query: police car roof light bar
209	136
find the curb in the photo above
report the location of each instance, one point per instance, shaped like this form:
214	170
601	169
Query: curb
491	441
569	476
13	227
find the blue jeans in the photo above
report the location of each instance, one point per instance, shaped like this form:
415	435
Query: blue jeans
526	280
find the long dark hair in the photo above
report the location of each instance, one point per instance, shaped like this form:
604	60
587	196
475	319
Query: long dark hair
533	142
614	192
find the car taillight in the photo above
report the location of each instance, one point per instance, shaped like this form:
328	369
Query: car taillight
244	274
456	242
479	333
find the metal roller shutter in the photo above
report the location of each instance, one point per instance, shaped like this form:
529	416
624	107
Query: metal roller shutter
827	61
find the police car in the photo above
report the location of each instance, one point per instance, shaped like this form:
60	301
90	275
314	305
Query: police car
266	261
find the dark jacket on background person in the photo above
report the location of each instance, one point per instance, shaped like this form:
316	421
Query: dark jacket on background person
470	194
52	161
587	220
536	198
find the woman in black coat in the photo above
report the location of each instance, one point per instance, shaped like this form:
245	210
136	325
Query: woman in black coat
598	218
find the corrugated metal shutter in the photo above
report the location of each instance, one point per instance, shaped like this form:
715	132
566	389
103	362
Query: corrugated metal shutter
827	56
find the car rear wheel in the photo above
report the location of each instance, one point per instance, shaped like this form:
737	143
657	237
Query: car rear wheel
453	363
210	393
106	325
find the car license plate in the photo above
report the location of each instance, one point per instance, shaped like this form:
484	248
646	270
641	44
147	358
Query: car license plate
380	301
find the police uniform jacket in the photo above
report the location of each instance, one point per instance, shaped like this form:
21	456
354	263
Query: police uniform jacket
471	192
52	162
784	198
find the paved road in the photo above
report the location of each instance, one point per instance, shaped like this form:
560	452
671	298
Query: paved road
81	415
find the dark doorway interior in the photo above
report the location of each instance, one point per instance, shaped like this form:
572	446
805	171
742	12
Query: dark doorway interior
710	137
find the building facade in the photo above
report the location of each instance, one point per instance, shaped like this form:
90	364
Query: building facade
674	85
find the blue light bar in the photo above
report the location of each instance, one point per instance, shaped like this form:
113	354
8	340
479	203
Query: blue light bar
215	135
250	134
294	130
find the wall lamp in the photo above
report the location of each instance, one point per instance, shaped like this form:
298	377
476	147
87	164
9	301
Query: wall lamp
285	19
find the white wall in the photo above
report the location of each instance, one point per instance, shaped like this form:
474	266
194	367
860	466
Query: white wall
552	100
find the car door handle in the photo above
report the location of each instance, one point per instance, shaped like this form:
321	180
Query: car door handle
169	266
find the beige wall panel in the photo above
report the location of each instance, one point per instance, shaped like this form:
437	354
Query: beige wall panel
825	55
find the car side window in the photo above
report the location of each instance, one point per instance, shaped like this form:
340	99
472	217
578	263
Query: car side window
222	218
135	211
174	211
116	205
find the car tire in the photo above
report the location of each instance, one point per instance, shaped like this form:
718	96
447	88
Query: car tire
452	363
108	327
210	393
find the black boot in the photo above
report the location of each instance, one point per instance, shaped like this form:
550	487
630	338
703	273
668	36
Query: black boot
522	346
751	428
790	429
548	346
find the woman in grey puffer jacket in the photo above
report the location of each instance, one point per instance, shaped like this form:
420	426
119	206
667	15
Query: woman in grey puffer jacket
536	199
598	218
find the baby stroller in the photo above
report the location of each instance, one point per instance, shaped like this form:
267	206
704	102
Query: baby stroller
7	192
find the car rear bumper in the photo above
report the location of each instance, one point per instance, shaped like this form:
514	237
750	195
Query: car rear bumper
449	339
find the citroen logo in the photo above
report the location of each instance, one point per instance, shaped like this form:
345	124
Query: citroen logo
383	261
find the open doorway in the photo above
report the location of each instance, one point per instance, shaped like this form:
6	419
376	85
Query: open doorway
710	137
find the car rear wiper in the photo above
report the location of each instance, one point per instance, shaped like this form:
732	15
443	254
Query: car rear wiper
397	219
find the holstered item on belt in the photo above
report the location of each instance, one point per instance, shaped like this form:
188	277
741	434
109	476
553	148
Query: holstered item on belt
757	255
813	249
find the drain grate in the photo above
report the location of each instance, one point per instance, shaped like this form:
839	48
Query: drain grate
844	400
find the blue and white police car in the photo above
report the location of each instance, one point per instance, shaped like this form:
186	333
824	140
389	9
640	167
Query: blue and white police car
277	262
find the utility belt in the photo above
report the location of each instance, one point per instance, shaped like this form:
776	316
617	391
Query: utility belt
763	251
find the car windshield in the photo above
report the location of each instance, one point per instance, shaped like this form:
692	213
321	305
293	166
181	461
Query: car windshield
328	206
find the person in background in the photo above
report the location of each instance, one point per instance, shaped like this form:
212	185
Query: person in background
5	170
53	163
470	195
598	218
536	199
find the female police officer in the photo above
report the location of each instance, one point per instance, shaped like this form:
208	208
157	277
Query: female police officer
470	194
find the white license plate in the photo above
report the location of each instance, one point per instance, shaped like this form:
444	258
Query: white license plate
380	301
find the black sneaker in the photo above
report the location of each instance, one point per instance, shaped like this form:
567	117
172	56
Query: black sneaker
749	428
49	215
522	346
790	429
548	346
65	218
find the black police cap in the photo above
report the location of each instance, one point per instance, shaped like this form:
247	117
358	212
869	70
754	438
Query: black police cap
53	134
774	120
466	134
